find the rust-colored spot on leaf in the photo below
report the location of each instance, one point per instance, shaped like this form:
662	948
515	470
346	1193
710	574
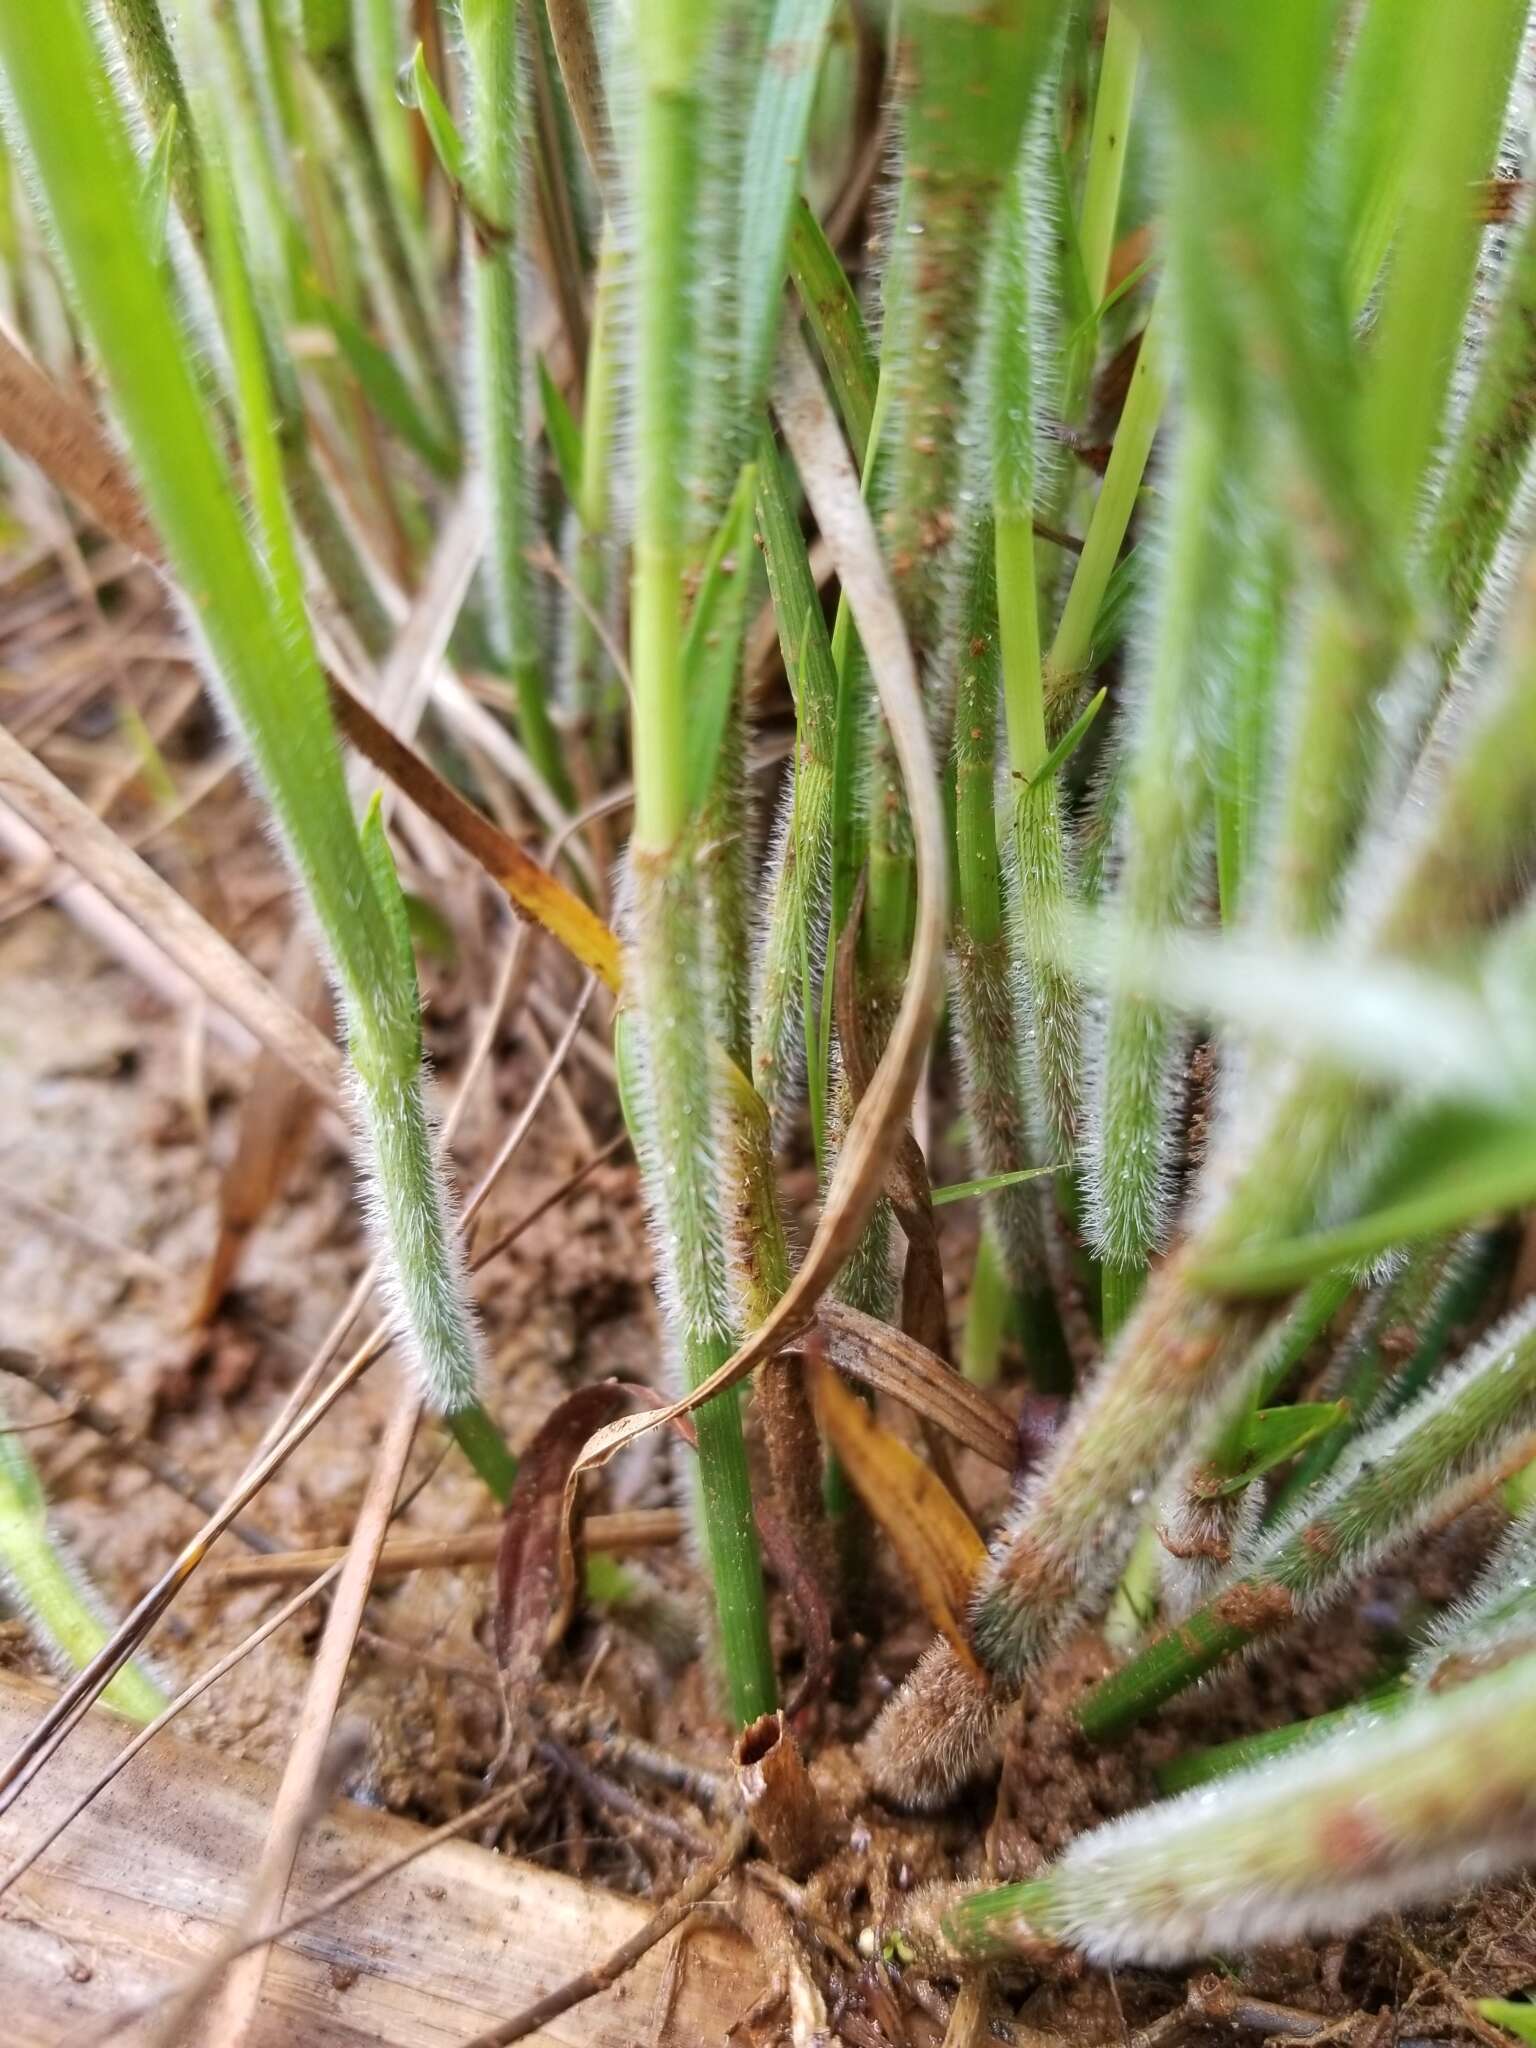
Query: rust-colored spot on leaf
1350	1842
1254	1606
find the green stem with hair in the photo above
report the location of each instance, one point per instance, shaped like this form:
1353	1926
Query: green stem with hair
50	1591
1112	102
1386	1809
1386	1486
676	1096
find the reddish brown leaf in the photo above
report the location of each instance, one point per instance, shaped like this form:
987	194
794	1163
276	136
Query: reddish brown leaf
533	890
536	1576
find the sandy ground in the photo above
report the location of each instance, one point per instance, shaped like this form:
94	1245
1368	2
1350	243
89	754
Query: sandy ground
115	1120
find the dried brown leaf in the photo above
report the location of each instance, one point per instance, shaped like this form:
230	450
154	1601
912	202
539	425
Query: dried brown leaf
181	933
890	1362
536	1580
68	444
532	889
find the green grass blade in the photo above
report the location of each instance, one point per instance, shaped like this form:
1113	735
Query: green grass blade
493	177
832	311
674	1096
781	110
712	648
786	996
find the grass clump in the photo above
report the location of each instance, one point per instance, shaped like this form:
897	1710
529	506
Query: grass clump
1185	378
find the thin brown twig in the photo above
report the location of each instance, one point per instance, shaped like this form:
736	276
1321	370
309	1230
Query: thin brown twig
201	953
198	1686
549	562
589	1983
183	1700
564	1094
59	1722
80	1694
615	1798
541	1088
545	1011
709	1790
631	1530
552	1200
56	1724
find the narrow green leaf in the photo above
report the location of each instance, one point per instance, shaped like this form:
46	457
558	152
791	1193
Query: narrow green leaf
159	178
1453	111
1115	503
1273	1436
1127	285
563	433
387	392
794	930
781	110
1264	73
1370	142
1106	156
962	1190
832	310
253	396
1453	1166
442	131
494	147
46	1586
1080	313
712	649
1117	607
380	862
1515	2016
1070	740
